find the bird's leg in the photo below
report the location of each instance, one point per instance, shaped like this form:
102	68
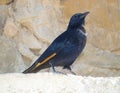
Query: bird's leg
53	69
69	68
72	72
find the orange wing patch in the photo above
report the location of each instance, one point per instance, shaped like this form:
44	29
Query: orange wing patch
44	61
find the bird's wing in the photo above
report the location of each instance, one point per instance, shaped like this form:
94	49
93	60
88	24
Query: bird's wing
57	45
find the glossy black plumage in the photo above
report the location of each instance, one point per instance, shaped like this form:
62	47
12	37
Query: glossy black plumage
65	48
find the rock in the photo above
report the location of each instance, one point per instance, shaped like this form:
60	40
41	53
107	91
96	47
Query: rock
96	62
33	24
3	16
10	59
102	23
24	50
40	20
4	2
57	83
36	27
29	40
10	29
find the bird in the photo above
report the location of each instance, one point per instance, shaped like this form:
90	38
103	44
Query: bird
65	49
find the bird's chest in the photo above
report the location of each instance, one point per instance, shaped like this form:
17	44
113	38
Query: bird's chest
76	39
75	44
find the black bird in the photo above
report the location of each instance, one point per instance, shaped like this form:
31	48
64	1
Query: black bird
65	48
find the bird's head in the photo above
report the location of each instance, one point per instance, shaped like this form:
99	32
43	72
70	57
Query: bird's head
77	20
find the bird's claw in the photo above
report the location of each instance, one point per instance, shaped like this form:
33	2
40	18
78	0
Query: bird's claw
57	72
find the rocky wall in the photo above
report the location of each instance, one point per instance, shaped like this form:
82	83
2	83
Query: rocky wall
31	25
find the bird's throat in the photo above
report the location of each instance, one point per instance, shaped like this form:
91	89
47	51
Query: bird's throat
83	33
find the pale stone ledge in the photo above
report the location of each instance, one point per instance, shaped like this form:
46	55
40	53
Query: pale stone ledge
57	83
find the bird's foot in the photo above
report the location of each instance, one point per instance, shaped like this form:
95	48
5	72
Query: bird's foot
69	69
73	72
57	72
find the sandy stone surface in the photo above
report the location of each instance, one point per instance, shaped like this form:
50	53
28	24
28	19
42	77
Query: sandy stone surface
57	83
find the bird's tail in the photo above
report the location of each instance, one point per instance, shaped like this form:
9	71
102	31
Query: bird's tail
36	67
40	64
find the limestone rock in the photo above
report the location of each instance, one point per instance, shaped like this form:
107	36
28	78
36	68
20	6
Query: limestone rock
102	23
96	62
29	40
3	16
37	28
43	21
10	59
24	50
56	83
36	23
10	29
4	2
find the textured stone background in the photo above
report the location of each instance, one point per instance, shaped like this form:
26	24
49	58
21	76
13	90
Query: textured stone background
27	27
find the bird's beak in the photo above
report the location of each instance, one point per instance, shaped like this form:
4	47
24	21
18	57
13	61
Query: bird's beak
85	14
